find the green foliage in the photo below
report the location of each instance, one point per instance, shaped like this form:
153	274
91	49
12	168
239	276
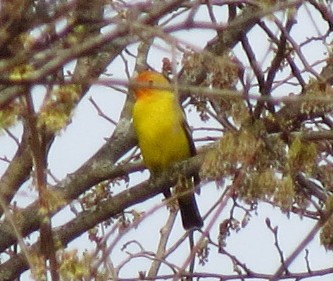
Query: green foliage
98	193
38	267
74	268
234	150
320	98
259	185
8	116
326	235
221	71
285	193
302	156
21	72
56	112
325	174
265	159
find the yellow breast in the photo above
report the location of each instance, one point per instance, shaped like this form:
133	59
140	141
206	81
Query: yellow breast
159	124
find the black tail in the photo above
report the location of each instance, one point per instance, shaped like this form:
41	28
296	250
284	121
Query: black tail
189	211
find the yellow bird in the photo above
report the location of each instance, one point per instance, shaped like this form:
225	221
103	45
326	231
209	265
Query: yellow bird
164	137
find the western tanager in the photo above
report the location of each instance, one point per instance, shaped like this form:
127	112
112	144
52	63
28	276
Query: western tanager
164	136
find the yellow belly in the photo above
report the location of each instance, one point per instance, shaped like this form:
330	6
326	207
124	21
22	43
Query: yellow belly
159	125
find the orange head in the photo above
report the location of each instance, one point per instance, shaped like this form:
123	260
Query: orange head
148	82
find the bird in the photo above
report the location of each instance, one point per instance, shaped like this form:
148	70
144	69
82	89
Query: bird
164	137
